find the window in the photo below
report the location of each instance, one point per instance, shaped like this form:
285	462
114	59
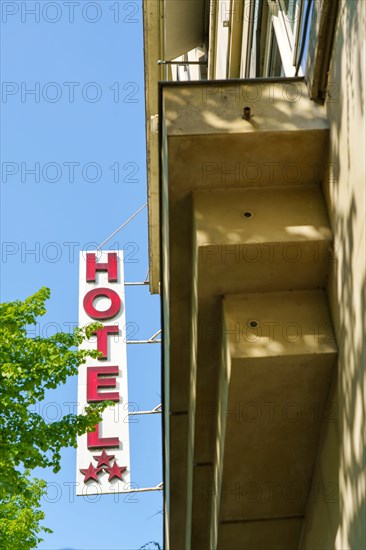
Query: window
275	67
305	35
290	9
281	26
285	18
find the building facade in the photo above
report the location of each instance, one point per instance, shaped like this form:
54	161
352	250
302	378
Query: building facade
256	185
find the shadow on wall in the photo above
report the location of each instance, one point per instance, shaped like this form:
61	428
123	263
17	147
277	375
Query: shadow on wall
346	201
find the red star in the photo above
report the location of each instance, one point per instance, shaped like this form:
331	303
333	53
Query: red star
116	471
103	459
90	473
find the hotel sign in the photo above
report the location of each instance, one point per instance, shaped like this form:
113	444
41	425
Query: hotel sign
103	456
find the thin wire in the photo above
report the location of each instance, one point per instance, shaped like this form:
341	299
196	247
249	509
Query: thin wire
143	342
163	62
145	489
144	412
121	226
155	410
155	335
140	283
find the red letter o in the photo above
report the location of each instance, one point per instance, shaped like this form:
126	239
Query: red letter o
101	315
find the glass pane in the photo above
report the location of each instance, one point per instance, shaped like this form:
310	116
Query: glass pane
305	35
275	64
290	11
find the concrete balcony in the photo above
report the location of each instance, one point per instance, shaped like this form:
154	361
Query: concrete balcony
242	212
274	381
264	239
211	146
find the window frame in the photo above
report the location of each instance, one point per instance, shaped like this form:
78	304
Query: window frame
288	39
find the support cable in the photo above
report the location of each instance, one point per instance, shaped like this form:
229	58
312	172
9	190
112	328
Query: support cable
144	489
121	226
152	340
155	410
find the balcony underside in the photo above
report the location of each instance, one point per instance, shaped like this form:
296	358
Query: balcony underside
255	249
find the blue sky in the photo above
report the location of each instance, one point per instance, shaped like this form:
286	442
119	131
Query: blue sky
71	135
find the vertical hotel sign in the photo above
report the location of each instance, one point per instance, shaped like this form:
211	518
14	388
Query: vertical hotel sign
103	456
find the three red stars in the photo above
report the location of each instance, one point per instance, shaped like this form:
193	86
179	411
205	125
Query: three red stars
103	460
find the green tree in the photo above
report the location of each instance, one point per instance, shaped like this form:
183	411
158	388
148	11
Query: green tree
29	368
20	516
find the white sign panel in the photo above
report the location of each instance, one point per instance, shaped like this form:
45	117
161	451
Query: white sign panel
103	456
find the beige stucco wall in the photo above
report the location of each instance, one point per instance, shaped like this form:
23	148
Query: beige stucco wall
321	523
341	523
